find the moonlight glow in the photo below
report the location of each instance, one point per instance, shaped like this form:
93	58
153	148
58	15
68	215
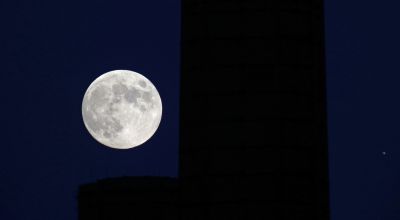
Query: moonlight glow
121	109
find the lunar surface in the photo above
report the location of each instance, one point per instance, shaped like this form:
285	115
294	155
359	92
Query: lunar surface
121	109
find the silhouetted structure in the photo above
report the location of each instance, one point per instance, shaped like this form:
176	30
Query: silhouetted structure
253	119
129	198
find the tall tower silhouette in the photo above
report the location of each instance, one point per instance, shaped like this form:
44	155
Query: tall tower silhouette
253	117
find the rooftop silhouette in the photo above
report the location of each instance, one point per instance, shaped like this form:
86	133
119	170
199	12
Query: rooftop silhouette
129	198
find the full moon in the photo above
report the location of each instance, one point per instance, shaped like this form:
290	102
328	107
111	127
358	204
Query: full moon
121	109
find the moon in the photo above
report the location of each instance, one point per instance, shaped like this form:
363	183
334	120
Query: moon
121	109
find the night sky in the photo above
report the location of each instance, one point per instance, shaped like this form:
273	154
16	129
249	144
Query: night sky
363	44
50	51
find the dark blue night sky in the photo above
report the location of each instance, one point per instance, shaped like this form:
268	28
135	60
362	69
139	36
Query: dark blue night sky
363	44
50	51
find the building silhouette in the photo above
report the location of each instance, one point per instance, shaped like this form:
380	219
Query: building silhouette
253	141
129	198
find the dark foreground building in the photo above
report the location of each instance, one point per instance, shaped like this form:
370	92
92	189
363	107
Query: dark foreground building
129	198
254	138
253	114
